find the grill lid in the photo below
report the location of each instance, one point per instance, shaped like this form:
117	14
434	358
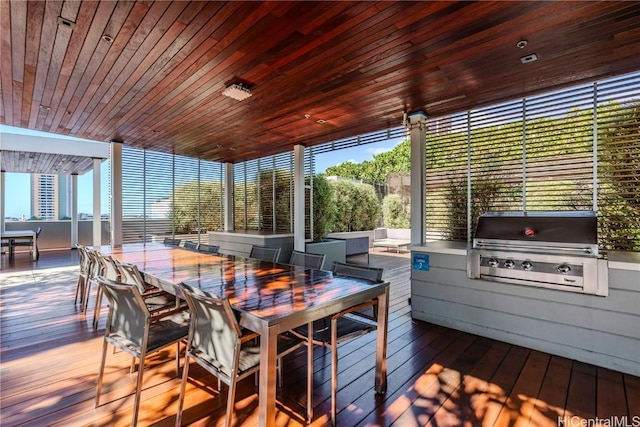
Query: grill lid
553	227
568	231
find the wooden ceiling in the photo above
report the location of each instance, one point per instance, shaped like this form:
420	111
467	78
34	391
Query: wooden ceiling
357	66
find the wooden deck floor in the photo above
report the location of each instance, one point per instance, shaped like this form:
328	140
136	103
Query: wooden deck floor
436	376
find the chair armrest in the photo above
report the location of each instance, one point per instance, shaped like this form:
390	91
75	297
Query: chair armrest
168	313
248	335
360	306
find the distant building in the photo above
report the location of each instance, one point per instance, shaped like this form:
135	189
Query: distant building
50	196
161	208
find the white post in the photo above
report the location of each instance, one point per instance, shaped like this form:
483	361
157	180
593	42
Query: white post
74	210
2	193
97	226
416	123
228	196
298	198
116	193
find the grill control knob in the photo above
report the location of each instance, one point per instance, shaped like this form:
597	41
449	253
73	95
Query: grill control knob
509	263
526	265
564	269
493	262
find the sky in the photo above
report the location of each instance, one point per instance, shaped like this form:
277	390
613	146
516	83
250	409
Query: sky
18	185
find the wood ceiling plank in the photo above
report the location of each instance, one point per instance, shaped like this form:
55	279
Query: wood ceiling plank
34	31
7	61
142	20
120	25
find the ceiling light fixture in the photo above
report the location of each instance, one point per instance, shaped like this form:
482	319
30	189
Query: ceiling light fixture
237	91
529	58
521	44
107	38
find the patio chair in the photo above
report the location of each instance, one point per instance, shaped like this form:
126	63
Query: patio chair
83	274
171	242
208	249
308	260
218	344
27	242
134	330
95	270
264	253
345	325
193	246
109	271
155	299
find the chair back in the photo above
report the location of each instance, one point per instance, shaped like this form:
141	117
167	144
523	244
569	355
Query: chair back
130	274
264	253
84	260
110	269
372	274
308	260
214	335
38	231
208	249
171	242
128	315
95	267
188	244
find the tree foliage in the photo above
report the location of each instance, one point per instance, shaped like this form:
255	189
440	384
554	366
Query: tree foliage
394	213
375	171
324	211
357	206
187	215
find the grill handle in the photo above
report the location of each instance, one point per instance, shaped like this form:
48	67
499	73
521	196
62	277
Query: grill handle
546	249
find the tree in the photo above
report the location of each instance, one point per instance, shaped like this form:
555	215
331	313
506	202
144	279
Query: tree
394	213
375	171
187	215
324	211
357	206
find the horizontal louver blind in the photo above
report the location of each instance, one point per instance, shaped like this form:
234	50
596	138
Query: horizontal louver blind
164	195
211	197
537	154
186	189
133	206
619	163
158	183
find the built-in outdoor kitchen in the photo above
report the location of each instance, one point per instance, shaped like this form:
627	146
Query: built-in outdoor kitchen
537	280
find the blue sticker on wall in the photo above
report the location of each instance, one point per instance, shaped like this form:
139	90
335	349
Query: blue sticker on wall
421	262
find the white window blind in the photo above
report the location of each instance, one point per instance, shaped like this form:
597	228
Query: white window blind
166	195
539	154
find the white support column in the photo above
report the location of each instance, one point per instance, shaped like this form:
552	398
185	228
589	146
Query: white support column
228	196
74	210
97	226
298	198
2	193
416	125
116	193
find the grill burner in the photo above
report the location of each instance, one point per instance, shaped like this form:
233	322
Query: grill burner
557	250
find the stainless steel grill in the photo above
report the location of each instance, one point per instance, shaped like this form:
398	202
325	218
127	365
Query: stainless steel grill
557	250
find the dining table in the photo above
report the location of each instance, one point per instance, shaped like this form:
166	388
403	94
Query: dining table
12	235
271	298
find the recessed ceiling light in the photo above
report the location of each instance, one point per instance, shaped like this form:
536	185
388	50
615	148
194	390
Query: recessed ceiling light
529	58
307	116
321	121
107	38
521	44
45	107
